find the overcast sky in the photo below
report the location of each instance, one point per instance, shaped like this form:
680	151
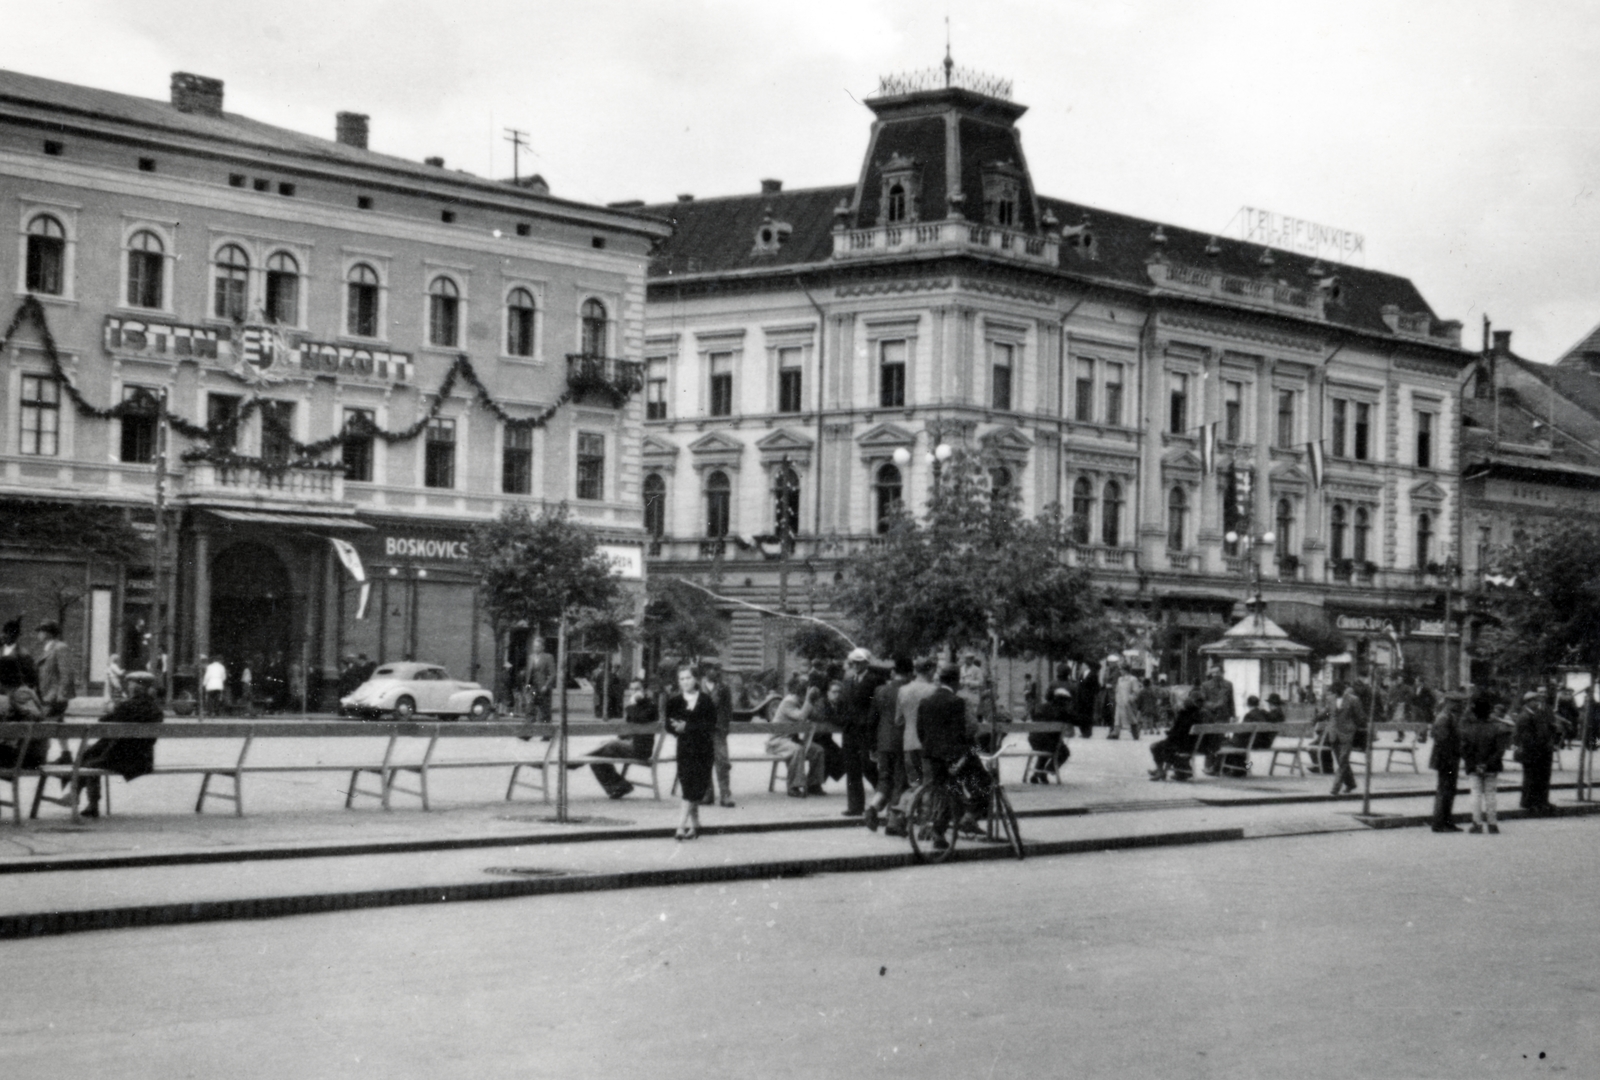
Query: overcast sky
1459	138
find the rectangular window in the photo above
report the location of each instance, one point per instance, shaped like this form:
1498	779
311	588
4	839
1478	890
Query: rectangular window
1000	358
1178	403
277	430
591	466
891	374
1114	394
439	464
1484	545
655	397
357	449
721	384
1363	431
222	417
139	425
789	385
1233	412
516	461
1424	440
1083	393
1285	419
1341	419
41	416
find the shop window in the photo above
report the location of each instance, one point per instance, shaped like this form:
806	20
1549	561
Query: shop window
147	263
889	492
721	383
1111	514
655	505
516	460
362	292
41	416
1082	510
892	374
520	314
47	256
230	278
139	423
593	319
439	454
357	450
283	289
789	384
591	465
719	495
444	312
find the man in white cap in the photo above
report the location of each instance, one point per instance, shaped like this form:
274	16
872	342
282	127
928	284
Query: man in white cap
855	715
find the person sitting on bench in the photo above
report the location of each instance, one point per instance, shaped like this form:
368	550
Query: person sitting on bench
1176	751
638	708
19	704
130	758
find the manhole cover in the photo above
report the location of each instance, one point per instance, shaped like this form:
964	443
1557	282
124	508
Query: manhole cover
523	871
529	819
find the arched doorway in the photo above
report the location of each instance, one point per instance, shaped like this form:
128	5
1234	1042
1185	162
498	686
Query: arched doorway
252	619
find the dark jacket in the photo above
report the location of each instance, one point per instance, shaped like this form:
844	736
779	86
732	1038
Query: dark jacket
1536	731
1483	745
1180	736
885	702
699	721
128	757
942	725
1446	753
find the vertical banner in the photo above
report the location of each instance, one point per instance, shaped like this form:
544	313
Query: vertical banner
351	558
1314	459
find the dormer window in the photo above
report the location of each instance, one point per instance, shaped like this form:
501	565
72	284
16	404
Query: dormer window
771	235
901	188
1002	187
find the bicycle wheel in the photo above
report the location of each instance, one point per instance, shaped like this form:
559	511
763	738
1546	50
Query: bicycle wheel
1008	820
931	824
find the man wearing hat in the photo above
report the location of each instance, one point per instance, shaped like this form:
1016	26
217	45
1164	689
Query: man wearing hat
57	680
130	758
854	715
1445	759
1535	742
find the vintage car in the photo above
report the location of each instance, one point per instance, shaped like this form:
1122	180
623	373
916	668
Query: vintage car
403	690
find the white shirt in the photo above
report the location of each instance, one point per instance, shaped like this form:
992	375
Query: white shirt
216	675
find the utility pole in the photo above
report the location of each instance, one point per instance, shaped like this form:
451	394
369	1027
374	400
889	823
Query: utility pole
519	143
158	622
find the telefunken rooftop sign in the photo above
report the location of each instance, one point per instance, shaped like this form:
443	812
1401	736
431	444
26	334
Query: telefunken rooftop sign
1271	229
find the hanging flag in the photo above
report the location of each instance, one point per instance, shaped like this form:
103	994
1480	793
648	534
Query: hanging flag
352	562
1208	447
1314	459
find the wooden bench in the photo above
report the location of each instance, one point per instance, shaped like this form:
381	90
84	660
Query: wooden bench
1288	740
1004	750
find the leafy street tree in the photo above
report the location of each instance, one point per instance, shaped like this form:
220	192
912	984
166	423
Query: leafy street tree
1323	641
682	622
1545	597
813	641
974	565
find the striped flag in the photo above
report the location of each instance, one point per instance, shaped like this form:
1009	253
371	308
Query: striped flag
1314	459
1208	447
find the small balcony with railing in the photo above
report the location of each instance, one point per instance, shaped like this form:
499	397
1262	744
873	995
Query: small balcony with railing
603	378
282	484
949	237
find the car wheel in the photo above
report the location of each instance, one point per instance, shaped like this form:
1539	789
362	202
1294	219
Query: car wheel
405	708
480	709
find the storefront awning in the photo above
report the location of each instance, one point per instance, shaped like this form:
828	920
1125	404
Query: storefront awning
307	521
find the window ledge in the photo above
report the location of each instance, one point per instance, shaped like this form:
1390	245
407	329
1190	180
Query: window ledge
49	298
526	361
360	342
441	350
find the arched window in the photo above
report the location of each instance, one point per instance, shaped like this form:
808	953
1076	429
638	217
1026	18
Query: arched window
47	256
519	323
1177	519
1082	509
444	312
1424	539
889	492
897	203
1111	514
231	283
1363	531
362	315
786	502
655	505
594	328
283	289
1336	530
1285	527
147	263
719	495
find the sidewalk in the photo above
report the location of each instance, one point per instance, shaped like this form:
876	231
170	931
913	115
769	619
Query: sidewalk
156	862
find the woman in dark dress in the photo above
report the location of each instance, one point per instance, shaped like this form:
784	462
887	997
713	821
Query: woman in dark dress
692	717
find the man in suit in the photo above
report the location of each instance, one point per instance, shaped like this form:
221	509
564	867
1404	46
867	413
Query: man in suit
942	725
890	742
1348	720
854	715
1445	759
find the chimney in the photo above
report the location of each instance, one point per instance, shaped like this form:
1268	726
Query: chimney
686	197
351	129
771	187
1502	342
436	162
196	94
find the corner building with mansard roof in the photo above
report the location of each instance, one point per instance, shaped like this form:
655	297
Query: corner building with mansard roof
796	340
284	289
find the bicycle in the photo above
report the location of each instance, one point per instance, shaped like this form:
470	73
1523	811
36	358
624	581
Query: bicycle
936	812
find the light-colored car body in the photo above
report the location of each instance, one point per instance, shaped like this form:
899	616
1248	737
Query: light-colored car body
407	689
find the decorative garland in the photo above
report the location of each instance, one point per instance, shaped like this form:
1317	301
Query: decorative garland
219	435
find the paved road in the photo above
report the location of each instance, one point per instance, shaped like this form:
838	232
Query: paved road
1390	954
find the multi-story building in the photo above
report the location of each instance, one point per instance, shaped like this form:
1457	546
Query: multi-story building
350	346
797	340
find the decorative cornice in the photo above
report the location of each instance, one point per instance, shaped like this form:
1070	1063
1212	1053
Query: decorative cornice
1010	292
1241	331
884	288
